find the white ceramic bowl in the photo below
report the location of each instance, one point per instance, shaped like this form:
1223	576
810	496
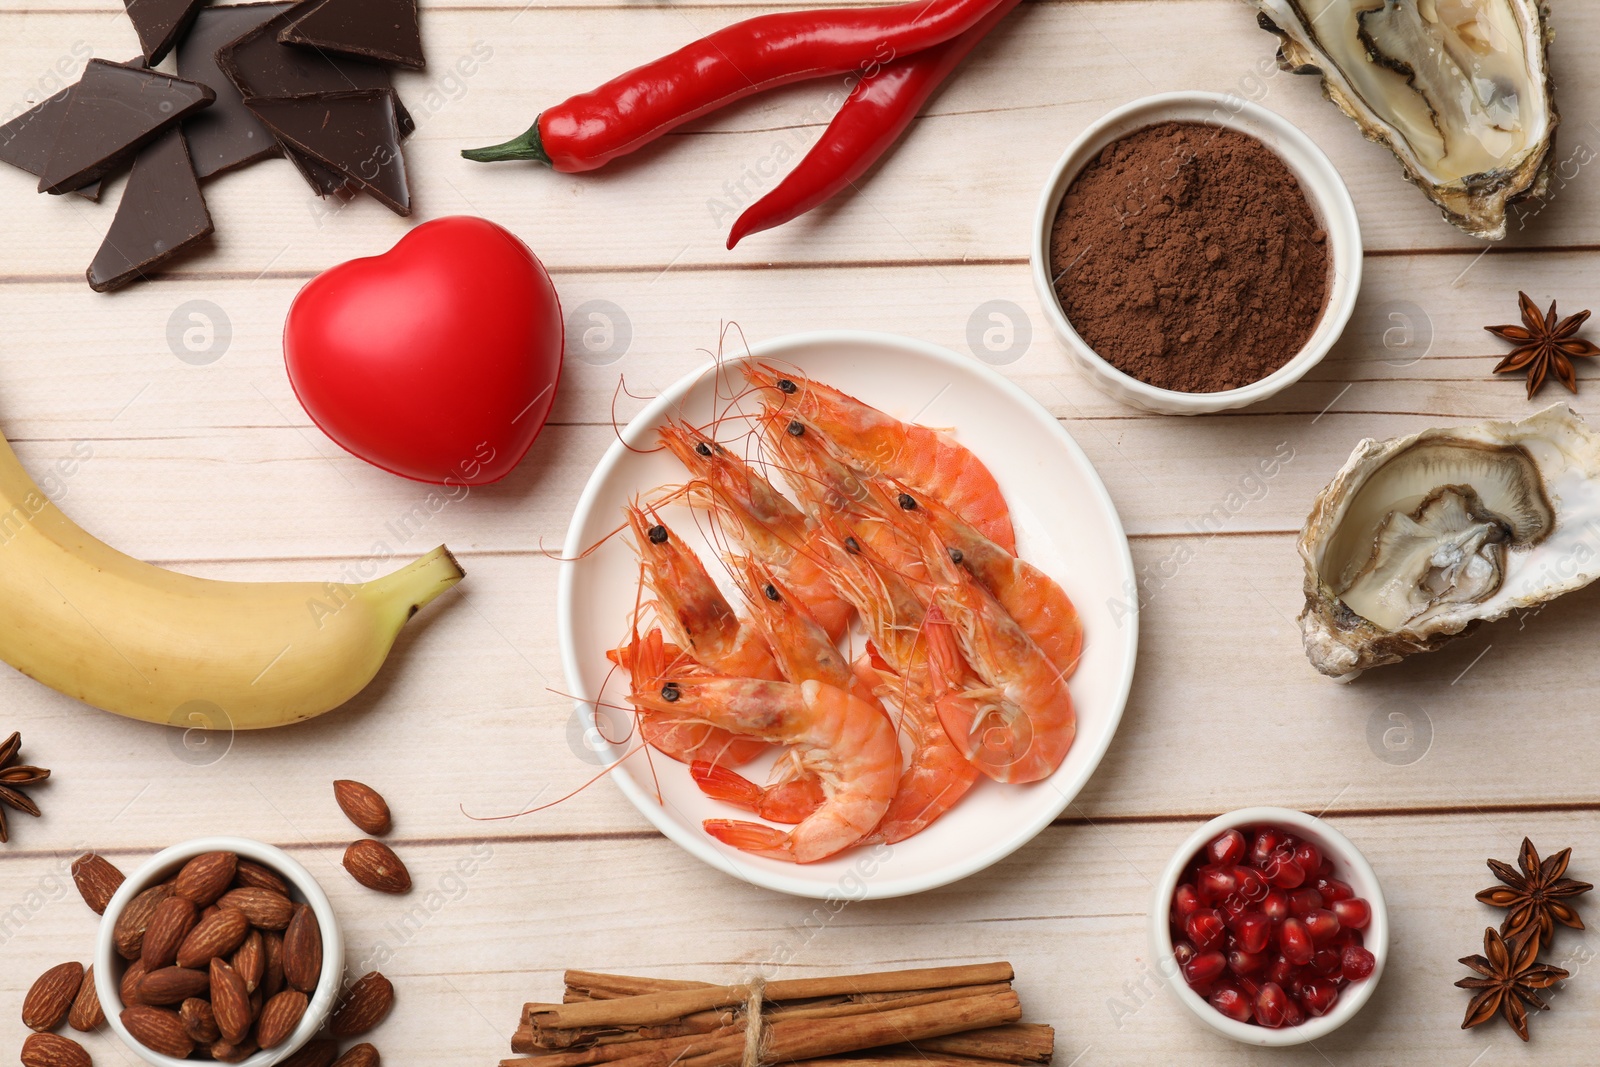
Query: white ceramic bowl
1330	201
1066	525
109	965
1350	866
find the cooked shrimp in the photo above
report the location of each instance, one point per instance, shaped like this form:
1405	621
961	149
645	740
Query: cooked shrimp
649	660
690	607
766	524
847	743
803	652
882	446
1020	728
1030	596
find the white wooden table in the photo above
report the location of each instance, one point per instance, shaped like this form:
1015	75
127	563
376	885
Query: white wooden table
214	469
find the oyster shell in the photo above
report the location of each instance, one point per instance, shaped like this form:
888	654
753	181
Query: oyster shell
1418	539
1458	90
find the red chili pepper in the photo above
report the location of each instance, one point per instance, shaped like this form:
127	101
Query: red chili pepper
866	126
750	56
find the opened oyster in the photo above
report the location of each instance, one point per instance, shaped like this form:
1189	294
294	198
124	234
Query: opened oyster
1458	90
1420	538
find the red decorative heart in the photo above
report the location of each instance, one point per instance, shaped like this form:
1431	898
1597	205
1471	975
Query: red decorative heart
437	360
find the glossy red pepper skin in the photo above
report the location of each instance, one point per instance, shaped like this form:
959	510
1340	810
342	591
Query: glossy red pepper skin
593	128
866	126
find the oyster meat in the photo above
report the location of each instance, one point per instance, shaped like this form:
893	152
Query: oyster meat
1418	539
1458	90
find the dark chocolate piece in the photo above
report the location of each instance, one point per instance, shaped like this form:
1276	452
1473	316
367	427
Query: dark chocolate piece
225	135
384	30
162	212
113	112
26	140
160	23
356	134
320	178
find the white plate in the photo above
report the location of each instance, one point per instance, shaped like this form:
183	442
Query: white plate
1065	523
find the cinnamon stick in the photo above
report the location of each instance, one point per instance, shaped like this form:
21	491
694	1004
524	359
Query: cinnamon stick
1017	1043
667	1005
594	985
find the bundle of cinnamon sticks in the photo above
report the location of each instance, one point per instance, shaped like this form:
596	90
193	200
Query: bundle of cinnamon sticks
938	1017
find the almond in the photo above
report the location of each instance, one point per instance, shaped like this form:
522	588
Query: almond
250	959
230	1003
279	1018
363	806
171	923
216	936
374	865
198	1020
98	880
172	985
206	877
272	971
318	1052
223	1052
259	877
364	1005
86	1014
128	988
47	1003
48	1050
362	1055
135	919
266	908
158	1029
302	950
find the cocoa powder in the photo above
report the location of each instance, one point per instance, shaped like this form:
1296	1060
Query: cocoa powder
1187	256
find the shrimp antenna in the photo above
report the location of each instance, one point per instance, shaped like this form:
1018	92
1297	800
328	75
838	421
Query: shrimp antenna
559	800
551	554
622	389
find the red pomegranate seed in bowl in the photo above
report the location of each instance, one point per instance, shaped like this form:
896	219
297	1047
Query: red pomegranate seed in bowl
1232	1002
1358	963
1319	996
1322	925
1295	942
1303	902
1353	913
1272	1006
1227	848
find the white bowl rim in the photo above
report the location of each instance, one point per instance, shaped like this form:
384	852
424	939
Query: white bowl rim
699	845
1336	208
108	963
1352	868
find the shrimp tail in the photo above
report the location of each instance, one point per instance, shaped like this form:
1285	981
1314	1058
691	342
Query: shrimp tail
786	802
751	837
719	783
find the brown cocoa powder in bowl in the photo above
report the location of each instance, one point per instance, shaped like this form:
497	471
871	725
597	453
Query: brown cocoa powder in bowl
1187	256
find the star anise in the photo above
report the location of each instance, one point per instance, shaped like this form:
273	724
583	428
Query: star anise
1543	345
1536	895
13	779
1510	977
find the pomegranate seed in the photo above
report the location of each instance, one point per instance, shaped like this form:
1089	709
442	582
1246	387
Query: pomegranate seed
1308	856
1358	963
1324	869
1232	1003
1299	979
1275	905
1254	930
1183	952
1327	962
1185	902
1240	962
1319	997
1351	937
1266	843
1272	1006
1279	970
1295	941
1252	886
1322	925
1216	883
1303	902
1204	968
1332	889
1251	987
1293	1015
1205	929
1284	871
1354	913
1228	848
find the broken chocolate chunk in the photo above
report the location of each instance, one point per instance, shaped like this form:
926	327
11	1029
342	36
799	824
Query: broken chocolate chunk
113	112
356	134
162	212
225	135
26	140
160	23
383	30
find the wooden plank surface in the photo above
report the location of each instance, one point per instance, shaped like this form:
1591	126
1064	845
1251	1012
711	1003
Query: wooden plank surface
214	469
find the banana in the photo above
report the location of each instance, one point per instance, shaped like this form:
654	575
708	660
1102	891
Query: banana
170	648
